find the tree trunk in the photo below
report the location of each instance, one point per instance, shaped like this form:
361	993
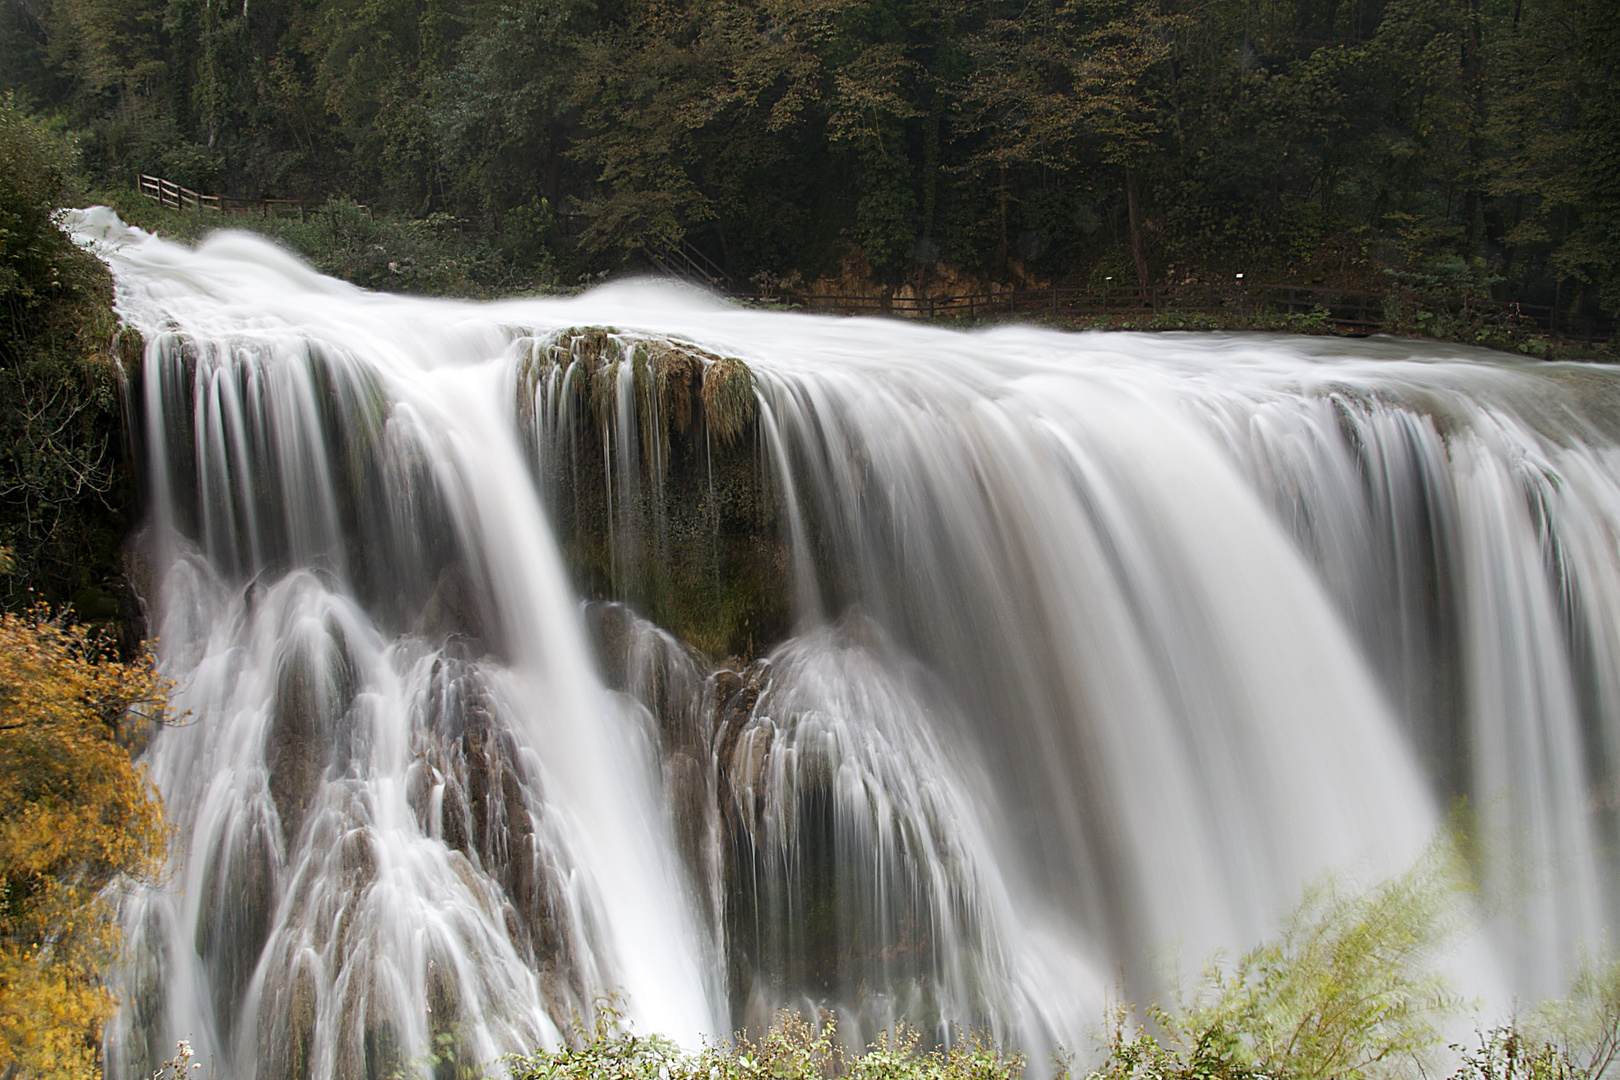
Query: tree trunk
1136	230
551	177
1001	245
1473	71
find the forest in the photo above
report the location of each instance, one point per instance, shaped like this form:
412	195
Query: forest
1464	147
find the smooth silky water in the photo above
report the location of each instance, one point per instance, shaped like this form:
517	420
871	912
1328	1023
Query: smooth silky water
1100	648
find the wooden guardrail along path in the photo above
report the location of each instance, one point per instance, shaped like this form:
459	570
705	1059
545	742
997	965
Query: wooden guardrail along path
685	261
1352	310
1344	307
176	197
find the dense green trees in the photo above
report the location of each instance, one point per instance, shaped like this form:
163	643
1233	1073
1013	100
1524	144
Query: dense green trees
64	492
1460	145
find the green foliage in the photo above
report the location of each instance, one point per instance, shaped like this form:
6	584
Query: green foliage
430	255
609	1051
1577	1037
1347	991
793	1049
436	255
1468	143
61	496
50	291
1598	148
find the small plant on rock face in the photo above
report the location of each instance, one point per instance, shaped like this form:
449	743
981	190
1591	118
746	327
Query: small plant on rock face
728	398
443	1060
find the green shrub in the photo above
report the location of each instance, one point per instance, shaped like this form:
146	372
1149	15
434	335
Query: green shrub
1347	991
54	297
435	255
793	1049
63	493
1576	1038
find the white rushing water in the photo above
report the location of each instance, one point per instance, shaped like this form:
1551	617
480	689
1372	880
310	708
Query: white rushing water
1102	647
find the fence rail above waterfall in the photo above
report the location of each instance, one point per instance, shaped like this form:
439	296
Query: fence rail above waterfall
684	260
1347	310
178	197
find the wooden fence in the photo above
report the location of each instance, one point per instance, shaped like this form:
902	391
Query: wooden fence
176	197
685	260
1347	310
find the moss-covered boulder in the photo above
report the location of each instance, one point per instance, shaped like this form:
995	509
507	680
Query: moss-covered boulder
649	453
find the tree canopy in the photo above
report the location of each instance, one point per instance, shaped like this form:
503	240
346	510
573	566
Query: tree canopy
65	491
1459	145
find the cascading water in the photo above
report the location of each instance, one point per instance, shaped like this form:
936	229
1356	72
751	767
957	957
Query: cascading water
921	675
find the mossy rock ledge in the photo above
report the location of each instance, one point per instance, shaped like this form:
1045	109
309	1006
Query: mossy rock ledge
650	455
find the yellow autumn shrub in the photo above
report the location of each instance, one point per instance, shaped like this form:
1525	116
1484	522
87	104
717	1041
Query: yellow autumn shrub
76	815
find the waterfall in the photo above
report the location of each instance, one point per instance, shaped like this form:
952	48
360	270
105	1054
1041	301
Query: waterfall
723	661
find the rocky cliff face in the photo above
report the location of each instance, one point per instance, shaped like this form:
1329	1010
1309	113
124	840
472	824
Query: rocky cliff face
648	451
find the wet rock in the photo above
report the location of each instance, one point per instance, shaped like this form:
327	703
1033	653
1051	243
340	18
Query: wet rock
238	904
609	625
492	811
287	1028
314	688
680	523
455	608
732	696
688	781
659	671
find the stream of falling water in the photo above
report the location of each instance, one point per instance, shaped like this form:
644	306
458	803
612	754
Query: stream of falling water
1100	648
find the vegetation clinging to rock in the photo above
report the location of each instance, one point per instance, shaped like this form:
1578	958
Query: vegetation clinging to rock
683	527
728	398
